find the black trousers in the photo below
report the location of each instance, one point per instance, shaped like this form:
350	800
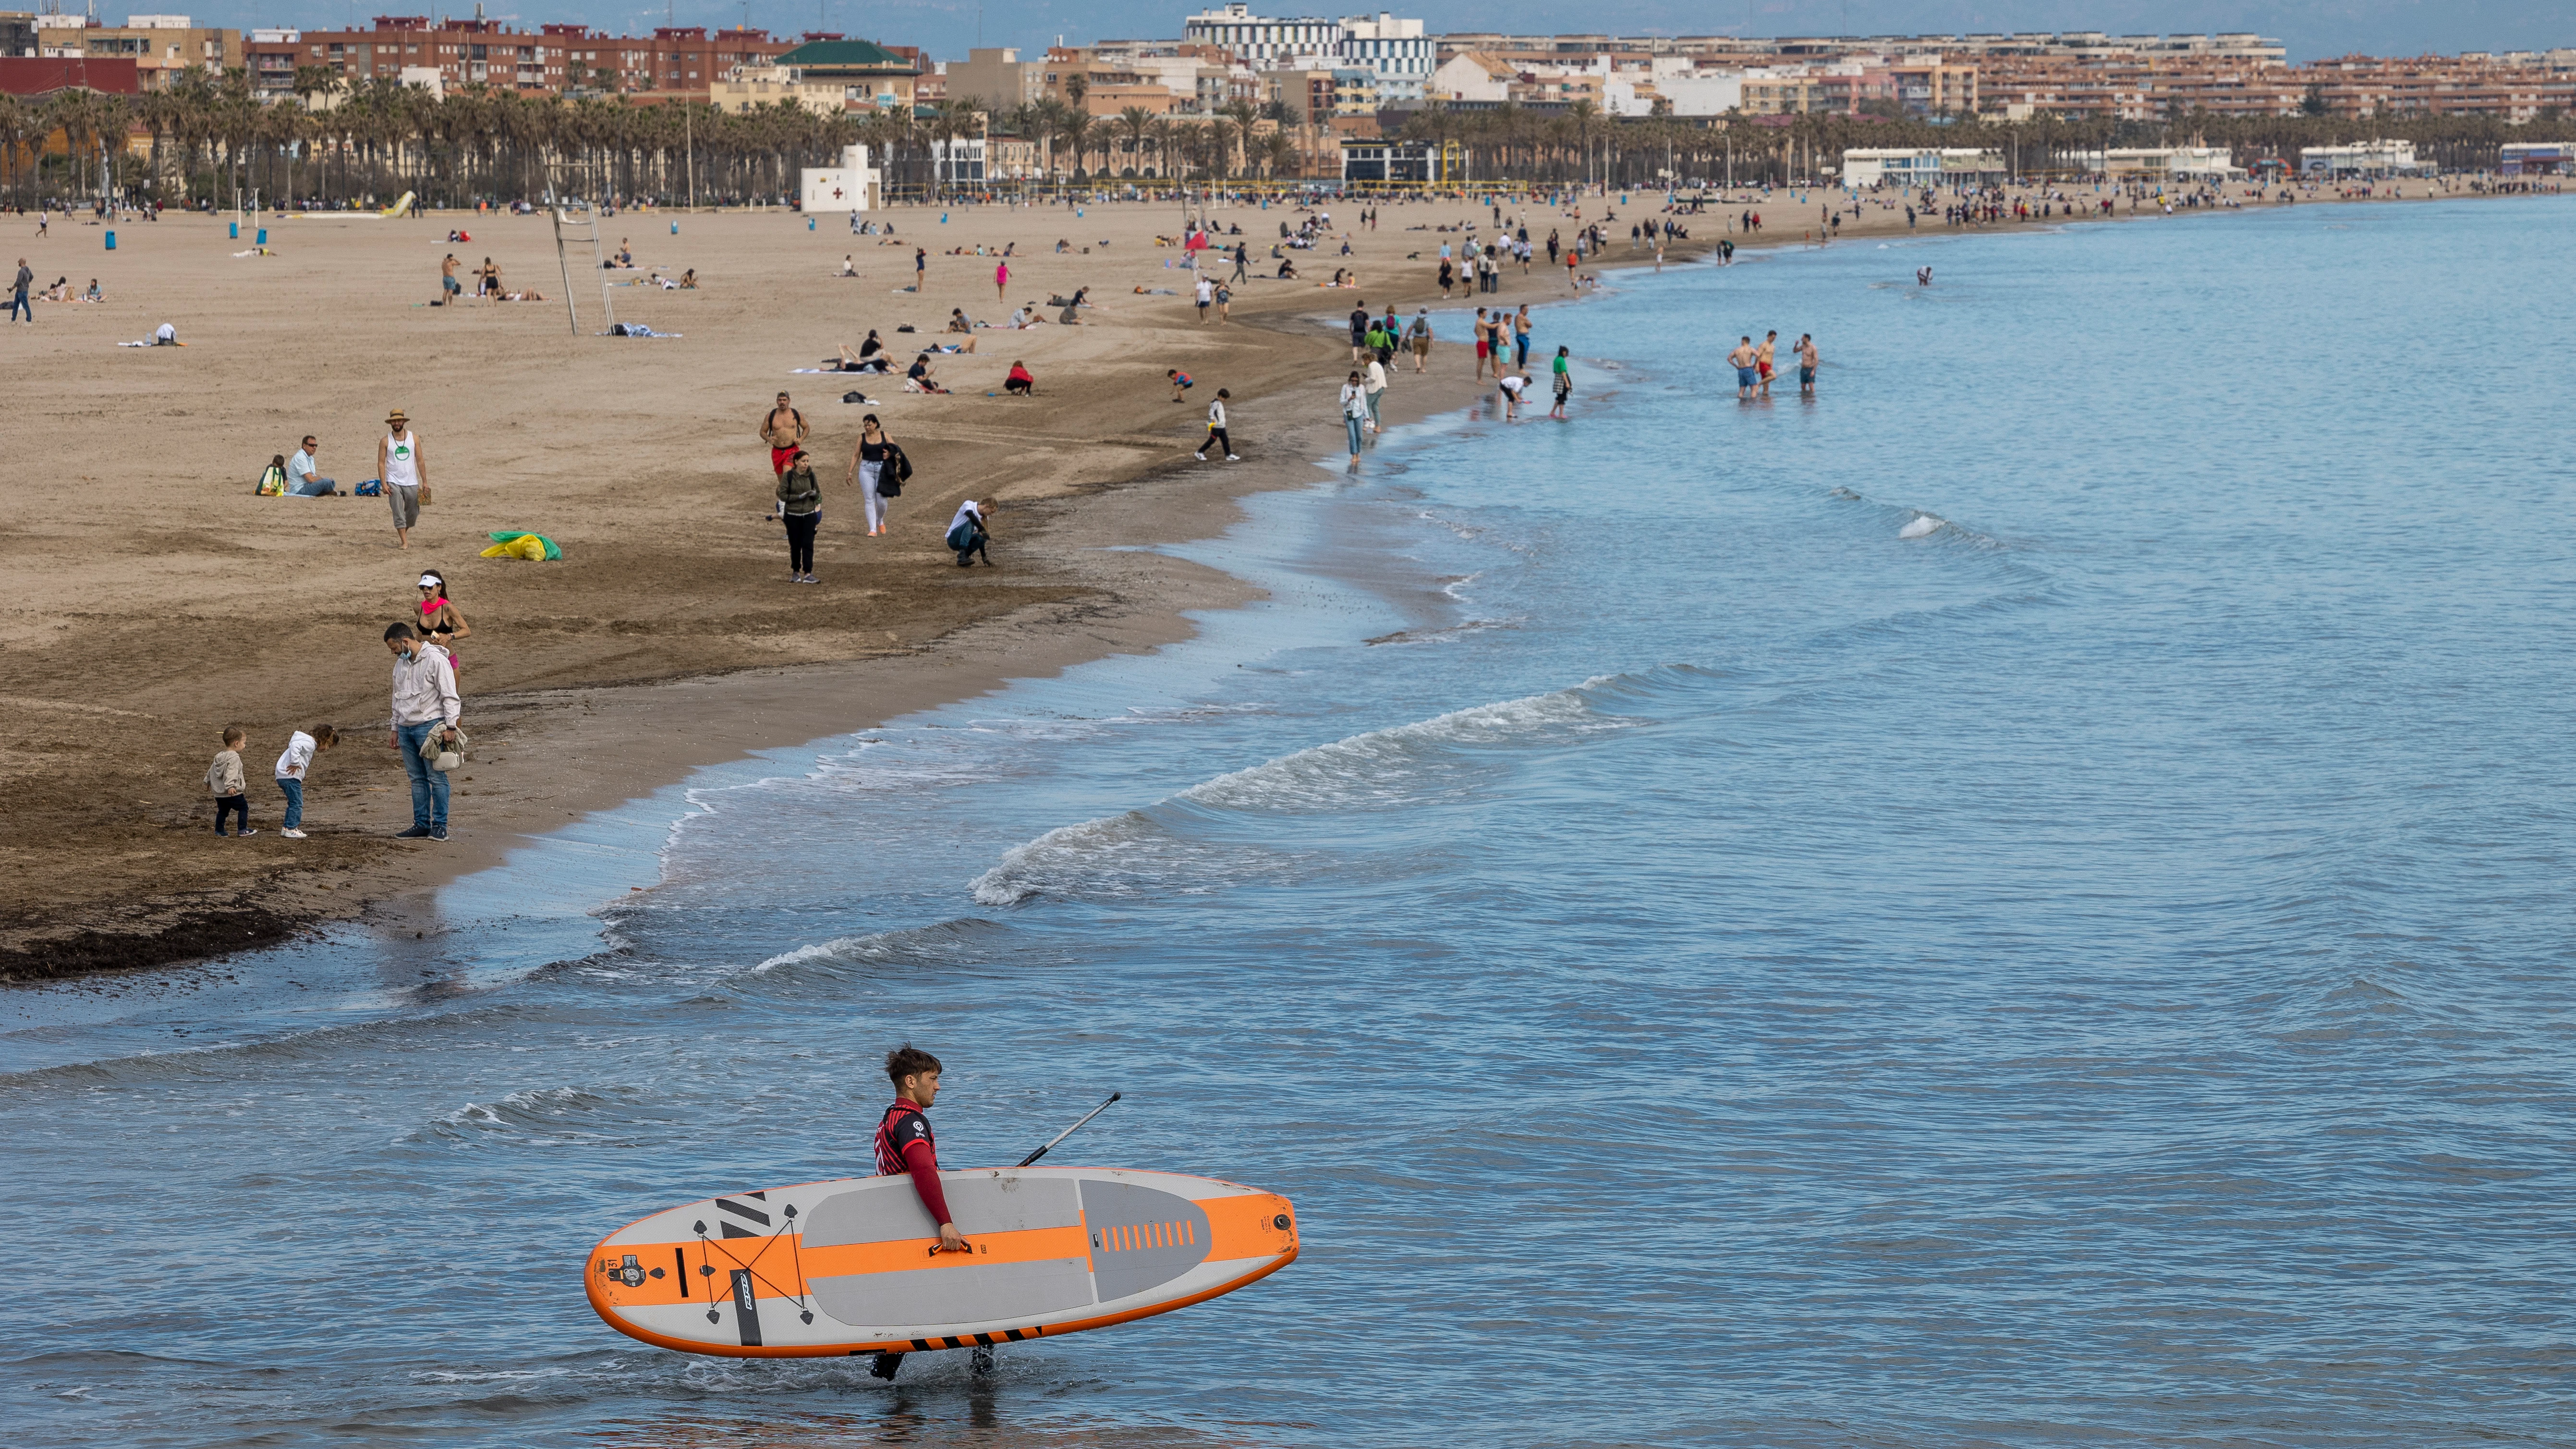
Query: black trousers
800	541
1218	440
231	805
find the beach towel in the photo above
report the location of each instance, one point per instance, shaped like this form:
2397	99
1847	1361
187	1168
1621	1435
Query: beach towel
508	543
635	329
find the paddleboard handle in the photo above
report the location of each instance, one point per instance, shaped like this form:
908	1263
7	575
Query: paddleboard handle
1069	1131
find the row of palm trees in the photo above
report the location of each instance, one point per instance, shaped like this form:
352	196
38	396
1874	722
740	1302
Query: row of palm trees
212	137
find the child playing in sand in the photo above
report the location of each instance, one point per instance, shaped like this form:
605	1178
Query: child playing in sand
224	781
1180	381
291	766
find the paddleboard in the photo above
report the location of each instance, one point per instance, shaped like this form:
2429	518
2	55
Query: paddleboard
849	1266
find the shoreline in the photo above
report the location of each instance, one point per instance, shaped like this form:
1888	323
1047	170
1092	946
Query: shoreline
603	743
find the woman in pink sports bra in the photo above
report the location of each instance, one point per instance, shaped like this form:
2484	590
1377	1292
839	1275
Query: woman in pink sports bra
440	622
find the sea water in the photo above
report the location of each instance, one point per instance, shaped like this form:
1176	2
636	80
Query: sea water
2022	900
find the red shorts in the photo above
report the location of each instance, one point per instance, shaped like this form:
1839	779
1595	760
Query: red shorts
1480	347
779	458
1766	369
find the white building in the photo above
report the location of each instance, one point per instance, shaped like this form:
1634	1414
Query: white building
1702	92
1921	166
1399	51
845	187
2368	158
1472	75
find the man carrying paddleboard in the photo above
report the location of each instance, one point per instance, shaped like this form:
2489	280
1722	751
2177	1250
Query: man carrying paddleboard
904	1143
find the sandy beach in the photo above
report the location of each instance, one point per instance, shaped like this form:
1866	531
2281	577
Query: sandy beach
154	599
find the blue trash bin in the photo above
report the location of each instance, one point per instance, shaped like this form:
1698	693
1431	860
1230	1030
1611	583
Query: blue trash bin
111	241
235	228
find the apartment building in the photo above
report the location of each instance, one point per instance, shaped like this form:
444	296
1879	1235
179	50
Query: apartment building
1399	53
997	77
867	74
675	61
162	47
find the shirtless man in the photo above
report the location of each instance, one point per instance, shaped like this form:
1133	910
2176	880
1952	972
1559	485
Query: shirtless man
448	290
1806	364
783	430
1745	377
1762	359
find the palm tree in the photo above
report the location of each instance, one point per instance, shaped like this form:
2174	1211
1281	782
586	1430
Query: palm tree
1135	122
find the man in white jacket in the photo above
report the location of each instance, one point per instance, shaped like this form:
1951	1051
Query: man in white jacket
425	703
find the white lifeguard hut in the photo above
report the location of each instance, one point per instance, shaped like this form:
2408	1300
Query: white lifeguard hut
846	187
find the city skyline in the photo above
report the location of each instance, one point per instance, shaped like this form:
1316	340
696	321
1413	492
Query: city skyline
946	28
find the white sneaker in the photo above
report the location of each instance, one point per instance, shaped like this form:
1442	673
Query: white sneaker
291	834
245	833
1232	459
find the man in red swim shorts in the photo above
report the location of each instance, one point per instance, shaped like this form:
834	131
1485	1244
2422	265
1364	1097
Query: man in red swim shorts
783	430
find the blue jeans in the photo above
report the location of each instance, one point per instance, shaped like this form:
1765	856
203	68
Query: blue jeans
320	487
18	304
294	801
1352	425
428	786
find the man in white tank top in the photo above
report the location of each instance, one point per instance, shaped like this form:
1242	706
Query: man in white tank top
399	464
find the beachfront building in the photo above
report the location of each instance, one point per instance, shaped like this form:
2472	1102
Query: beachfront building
1921	166
2164	163
997	78
679	62
2537	158
2362	161
1374	159
1398	55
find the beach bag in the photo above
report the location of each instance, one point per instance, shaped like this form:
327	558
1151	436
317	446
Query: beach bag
370	488
272	482
443	755
424	495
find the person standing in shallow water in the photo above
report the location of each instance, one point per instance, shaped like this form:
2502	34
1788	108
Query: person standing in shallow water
1564	382
1806	364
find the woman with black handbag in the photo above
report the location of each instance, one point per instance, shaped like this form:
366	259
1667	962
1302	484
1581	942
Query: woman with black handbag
879	468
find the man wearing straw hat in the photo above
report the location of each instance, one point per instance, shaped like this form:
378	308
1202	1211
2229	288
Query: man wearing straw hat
399	464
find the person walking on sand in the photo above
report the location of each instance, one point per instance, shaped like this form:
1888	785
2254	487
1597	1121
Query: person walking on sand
1419	335
440	622
784	431
19	311
402	469
1564	380
1764	356
425	704
1217	436
1206	291
875	463
301	747
800	507
1745	376
1354	413
1001	284
1806	365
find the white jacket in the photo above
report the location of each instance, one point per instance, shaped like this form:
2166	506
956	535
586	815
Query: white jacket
425	688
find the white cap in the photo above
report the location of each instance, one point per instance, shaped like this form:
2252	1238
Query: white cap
430	581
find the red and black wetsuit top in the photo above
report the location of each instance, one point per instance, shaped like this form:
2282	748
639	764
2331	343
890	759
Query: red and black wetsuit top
904	1145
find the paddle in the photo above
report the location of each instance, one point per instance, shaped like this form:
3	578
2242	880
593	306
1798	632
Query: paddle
1069	1131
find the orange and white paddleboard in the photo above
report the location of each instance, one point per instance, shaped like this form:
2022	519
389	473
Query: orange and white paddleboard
848	1266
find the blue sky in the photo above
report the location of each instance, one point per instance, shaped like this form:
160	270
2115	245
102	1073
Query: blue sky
2310	28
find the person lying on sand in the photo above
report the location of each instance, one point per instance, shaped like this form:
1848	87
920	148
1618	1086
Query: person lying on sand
863	360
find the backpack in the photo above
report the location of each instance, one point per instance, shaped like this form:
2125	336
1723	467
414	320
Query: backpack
370	488
272	482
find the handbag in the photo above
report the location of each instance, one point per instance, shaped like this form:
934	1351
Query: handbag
441	754
272	482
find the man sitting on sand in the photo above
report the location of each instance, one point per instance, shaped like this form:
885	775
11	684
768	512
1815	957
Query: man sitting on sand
303	477
918	378
959	322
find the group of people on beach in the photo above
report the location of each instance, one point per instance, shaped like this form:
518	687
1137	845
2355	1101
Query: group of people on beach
877	470
421	726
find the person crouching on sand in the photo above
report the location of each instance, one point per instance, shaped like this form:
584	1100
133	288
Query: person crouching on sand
968	533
